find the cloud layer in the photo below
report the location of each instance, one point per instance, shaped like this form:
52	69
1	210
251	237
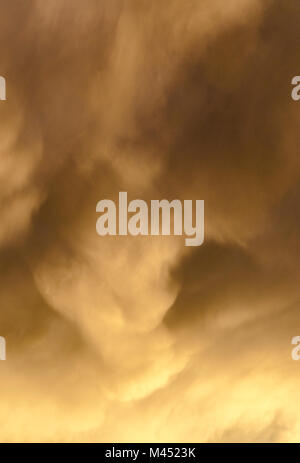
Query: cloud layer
141	339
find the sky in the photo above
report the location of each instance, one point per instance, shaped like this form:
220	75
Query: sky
142	339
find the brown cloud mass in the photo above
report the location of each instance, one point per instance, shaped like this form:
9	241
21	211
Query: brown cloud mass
141	339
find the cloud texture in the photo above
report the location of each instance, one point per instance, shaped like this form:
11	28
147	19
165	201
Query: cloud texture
124	339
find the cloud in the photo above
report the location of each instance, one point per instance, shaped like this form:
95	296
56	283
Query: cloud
175	100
